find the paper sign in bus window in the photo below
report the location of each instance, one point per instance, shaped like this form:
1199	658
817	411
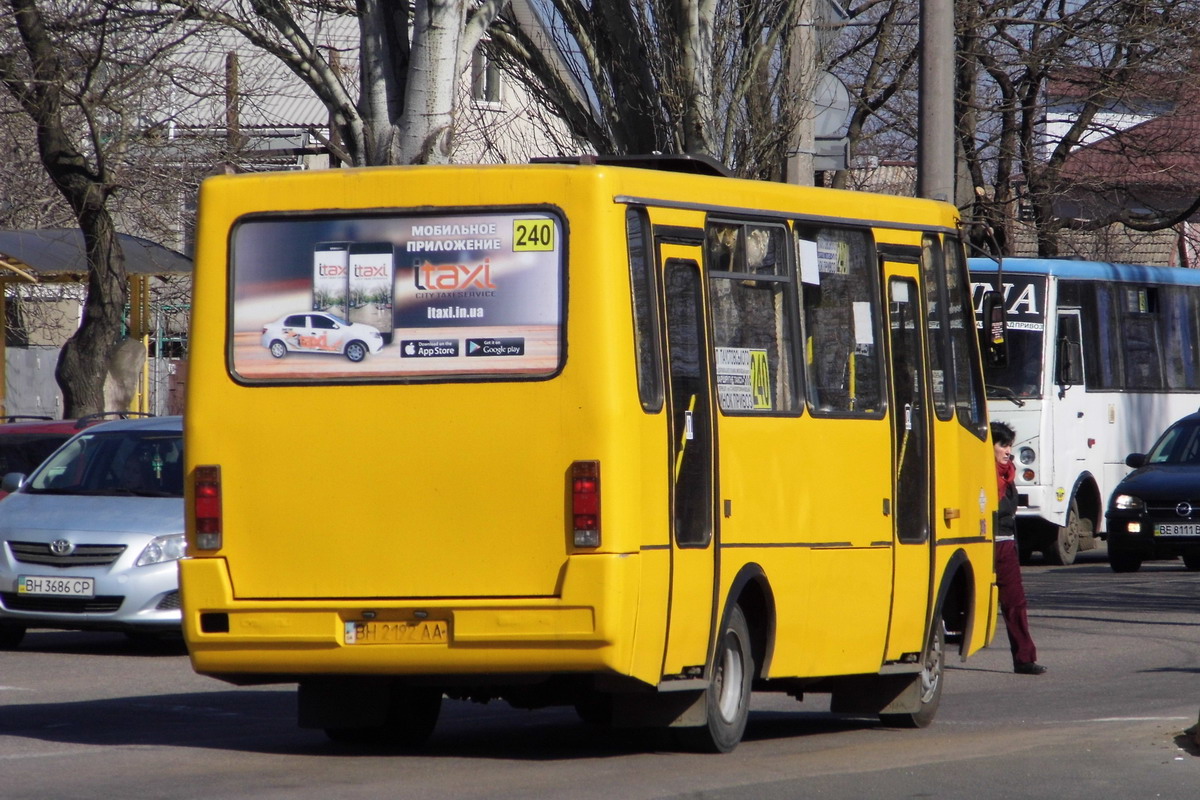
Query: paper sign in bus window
743	379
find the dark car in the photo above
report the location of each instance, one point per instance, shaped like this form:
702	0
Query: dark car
1154	512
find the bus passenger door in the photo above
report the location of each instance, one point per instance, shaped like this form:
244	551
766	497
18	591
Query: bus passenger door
691	428
912	544
1074	420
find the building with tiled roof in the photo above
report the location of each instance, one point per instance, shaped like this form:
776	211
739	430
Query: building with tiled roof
1141	157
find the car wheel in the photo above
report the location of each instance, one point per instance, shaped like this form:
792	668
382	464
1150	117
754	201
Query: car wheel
1065	545
727	699
356	351
278	349
1191	560
932	678
11	635
1122	560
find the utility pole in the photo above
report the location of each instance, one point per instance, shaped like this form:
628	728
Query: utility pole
935	127
803	64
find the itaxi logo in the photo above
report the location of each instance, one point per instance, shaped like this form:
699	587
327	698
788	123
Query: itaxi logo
371	271
453	277
331	269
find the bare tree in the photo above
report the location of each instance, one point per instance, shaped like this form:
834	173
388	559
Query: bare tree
877	60
83	73
1045	91
708	77
401	103
1102	55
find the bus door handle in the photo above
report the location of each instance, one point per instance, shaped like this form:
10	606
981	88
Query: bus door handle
950	513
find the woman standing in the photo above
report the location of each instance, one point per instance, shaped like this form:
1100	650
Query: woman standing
1008	563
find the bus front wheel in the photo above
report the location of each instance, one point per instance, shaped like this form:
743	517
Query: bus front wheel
932	678
727	699
1064	544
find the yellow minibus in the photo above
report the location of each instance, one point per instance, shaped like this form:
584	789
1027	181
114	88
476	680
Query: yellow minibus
620	434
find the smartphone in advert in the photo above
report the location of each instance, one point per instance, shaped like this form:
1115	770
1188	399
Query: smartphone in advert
371	267
330	278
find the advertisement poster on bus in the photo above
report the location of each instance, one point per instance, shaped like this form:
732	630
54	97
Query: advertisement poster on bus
1024	299
400	297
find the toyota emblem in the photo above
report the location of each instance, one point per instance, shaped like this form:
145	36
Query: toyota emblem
1184	509
61	547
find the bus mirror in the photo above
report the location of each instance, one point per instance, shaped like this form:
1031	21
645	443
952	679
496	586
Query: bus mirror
1069	366
994	337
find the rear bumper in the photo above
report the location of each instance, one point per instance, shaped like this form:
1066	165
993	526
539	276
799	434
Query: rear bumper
588	628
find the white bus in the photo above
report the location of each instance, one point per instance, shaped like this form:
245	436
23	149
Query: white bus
1101	358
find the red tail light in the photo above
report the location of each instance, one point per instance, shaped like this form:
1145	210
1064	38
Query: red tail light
585	503
207	507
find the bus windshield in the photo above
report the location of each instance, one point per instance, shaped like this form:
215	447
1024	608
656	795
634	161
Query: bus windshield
1025	318
1021	377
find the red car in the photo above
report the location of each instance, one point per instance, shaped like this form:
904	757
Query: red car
26	441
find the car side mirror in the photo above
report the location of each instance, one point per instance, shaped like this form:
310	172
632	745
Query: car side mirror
1135	460
12	481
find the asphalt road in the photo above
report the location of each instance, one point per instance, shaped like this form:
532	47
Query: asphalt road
96	716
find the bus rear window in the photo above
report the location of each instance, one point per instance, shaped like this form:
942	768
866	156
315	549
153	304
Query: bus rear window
379	297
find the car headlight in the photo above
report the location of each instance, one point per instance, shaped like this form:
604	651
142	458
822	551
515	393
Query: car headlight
1127	502
1026	455
162	549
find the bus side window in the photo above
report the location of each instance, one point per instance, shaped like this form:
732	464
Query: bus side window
752	292
840	298
645	318
969	394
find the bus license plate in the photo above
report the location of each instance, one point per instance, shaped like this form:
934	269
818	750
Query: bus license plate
1177	530
59	587
423	632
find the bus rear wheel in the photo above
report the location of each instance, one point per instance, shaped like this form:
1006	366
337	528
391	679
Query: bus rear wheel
727	699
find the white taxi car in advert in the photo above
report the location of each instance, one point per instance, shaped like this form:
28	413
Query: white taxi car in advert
90	540
320	332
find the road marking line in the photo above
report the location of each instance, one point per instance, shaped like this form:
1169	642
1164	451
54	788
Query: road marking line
1139	719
